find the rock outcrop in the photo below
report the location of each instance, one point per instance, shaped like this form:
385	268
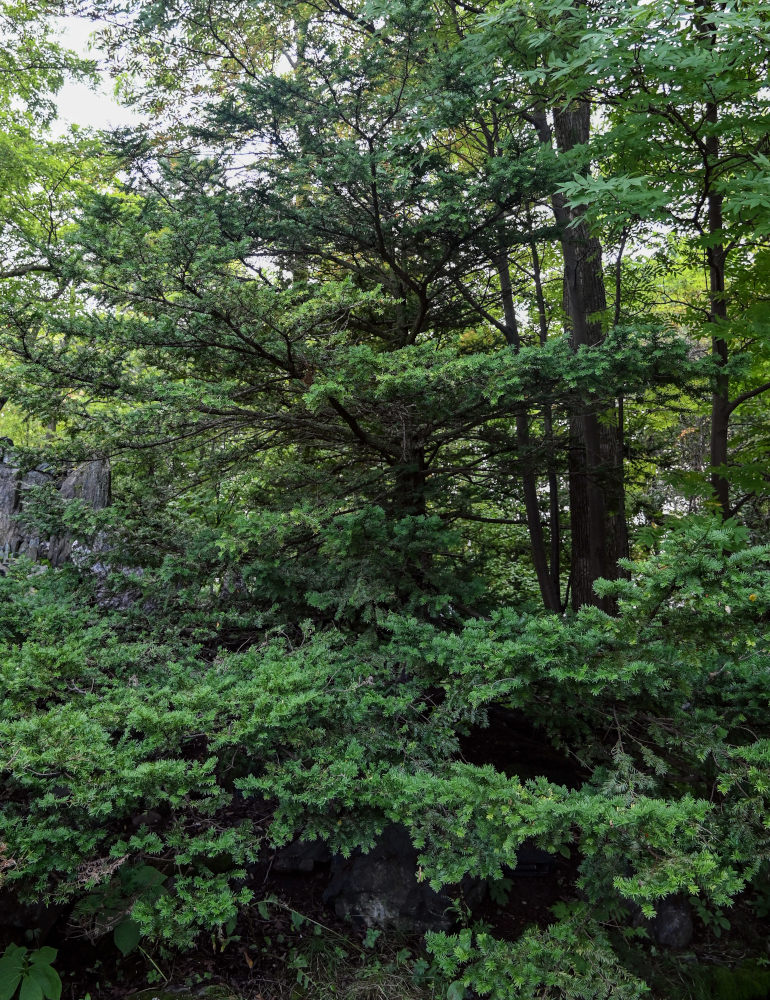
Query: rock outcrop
89	481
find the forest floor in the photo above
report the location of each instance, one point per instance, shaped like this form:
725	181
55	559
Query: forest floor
305	951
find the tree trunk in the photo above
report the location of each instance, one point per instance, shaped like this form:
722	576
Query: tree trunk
554	507
597	506
720	400
550	594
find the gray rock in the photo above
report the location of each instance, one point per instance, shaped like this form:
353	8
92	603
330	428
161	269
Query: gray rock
9	504
89	482
672	926
381	889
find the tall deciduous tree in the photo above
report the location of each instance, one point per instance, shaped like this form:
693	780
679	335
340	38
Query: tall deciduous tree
683	142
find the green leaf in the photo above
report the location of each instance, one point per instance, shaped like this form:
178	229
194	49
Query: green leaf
43	956
11	970
126	936
456	991
10	976
48	979
30	989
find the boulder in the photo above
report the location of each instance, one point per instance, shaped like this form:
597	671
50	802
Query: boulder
381	889
672	926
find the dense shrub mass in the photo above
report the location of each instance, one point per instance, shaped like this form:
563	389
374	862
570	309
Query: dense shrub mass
110	716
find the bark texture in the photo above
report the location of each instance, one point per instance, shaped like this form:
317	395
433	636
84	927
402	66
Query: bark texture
596	489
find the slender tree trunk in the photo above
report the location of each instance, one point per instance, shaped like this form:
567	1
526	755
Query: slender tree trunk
597	508
554	507
716	257
622	544
720	400
550	594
